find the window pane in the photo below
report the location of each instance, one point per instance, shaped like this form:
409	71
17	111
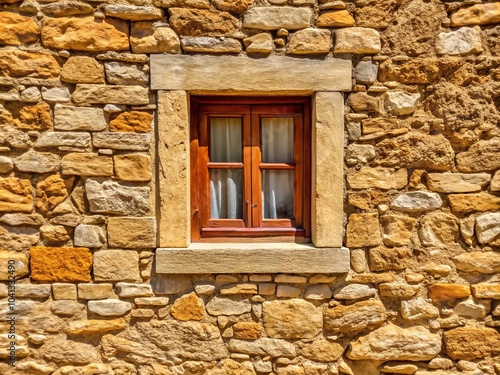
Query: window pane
226	194
277	140
225	140
277	194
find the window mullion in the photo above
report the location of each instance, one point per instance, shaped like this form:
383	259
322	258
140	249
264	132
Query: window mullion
247	169
256	203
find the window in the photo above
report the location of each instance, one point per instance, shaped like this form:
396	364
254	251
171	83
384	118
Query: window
250	168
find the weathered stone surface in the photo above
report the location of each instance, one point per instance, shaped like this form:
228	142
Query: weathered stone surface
22	219
357	40
339	18
54	233
82	69
86	164
259	43
66	9
55	94
116	265
366	72
225	306
263	347
291	319
237	7
465	203
355	318
95	327
230	366
472	309
354	291
122	141
486	290
60	263
15	63
401	103
133	121
383	259
121	73
235	289
151	301
397	230
131	232
201	22
91	236
273	18
464	41
31	95
78	118
480	157
133	13
50	192
457	182
318	292
132	167
144	38
6	165
63	139
371	278
98	94
16	29
380	178
478	14
115	198
188	307
361	154
398	290
210	44
396	368
33	291
470	343
363	230
109	307
246	330
416	201
438	229
33	117
413	71
418	308
129	290
399	344
94	291
476	261
448	291
288	291
64	291
18	239
15	195
85	34
320	350
66	308
20	264
66	352
362	102
309	41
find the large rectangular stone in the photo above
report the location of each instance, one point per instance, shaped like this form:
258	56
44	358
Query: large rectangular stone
276	74
86	164
78	118
132	232
275	17
85	94
122	141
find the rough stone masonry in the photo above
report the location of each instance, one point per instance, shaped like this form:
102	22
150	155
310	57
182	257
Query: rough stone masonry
422	193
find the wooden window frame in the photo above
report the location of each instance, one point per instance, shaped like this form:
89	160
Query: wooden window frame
252	227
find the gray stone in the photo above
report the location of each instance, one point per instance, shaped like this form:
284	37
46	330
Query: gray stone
121	73
63	139
116	265
464	41
33	290
273	18
129	290
55	94
78	118
31	95
89	236
263	347
416	201
210	44
6	164
133	13
354	291
170	284
122	141
473	310
366	72
357	40
111	197
15	219
114	108
109	307
37	162
225	306
15	138
9	94
401	103
104	94
488	227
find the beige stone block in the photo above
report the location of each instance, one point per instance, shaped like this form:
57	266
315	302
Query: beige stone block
16	63
363	230
309	41
86	164
95	291
63	291
132	232
397	229
82	69
133	167
457	182
116	265
380	178
357	40
340	18
12	264
85	94
478	14
465	203
146	39
274	17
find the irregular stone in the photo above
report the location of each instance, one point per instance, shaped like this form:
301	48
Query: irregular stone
33	291
392	343
188	307
86	164
68	220
18	239
400	103
263	347
114	198
151	301
320	350
472	310
246	330
448	291
238	289
380	178
128	232
66	9
9	94
50	192
398	290
287	291
115	346
366	72
230	366
413	71
60	264
122	141
16	29
357	40
95	327
171	284
362	154
273	18
54	233
94	291
225	306
133	121
21	347
398	368
383	259
121	73
66	308
457	182
339	18
63	139
486	290
133	13
362	102
355	318
416	202
476	261
466	203
82	69
22	219
116	265
363	230
318	292
15	195
109	307
480	157
354	291
418	308
144	38
237	7
128	290
6	165
55	94
132	167
66	352
34	117
17	260
100	94
78	118
309	41
85	34
202	22
210	44
63	291
259	43
464	41
34	367
470	343
397	230
438	229
478	14
31	95
15	64
89	236
495	182
371	278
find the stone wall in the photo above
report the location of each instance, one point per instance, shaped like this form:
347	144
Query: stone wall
422	201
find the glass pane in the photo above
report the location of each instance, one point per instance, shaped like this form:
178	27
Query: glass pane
225	140
277	194
277	140
226	194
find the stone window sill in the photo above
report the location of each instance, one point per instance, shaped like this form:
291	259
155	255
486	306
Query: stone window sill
228	258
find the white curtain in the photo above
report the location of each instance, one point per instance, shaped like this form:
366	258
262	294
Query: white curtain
225	140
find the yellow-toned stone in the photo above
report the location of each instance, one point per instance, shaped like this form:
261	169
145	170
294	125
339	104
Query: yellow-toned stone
50	192
414	71
247	330
339	18
465	203
35	117
15	63
85	34
383	259
397	229
60	263
239	289
86	164
132	167
146	39
188	307
93	327
363	230
12	264
479	14
82	69
469	343
202	22
16	29
15	195
320	350
448	291
134	121
486	290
